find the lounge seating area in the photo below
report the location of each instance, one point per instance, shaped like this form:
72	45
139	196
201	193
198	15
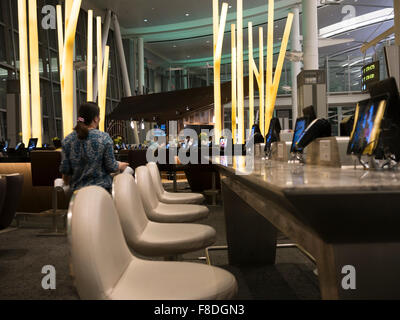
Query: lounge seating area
114	235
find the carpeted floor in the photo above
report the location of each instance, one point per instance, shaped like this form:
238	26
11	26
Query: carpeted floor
23	254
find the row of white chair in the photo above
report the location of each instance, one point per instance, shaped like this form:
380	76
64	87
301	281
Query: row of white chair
103	234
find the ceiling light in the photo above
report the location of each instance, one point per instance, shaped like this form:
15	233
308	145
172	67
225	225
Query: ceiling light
187	14
357	22
145	20
174	45
230	7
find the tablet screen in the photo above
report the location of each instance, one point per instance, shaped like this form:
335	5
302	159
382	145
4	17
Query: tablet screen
367	126
301	125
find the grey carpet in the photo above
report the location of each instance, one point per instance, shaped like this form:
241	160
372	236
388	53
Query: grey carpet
23	254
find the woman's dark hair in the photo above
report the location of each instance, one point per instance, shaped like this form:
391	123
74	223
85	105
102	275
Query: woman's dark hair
86	114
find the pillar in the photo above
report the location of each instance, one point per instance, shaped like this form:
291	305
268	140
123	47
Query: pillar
141	65
296	65
310	34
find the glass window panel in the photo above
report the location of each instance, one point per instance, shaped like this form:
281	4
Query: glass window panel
43	61
57	100
54	66
59	128
3	125
14	8
3	55
4	75
46	132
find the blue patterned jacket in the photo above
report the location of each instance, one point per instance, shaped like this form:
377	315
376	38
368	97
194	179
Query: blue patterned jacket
89	162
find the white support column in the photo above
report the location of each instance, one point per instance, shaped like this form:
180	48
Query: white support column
124	68
105	31
185	79
141	65
296	66
132	65
310	34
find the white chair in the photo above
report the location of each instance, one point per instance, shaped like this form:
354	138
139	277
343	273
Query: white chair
104	268
162	212
150	238
171	197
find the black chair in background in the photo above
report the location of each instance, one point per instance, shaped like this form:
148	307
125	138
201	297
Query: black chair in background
12	197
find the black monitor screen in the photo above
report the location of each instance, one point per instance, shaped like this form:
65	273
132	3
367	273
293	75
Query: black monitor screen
367	126
301	126
273	132
32	144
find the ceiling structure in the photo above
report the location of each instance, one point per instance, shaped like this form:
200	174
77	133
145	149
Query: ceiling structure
179	32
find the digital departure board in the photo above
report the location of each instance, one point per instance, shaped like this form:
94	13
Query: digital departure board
370	75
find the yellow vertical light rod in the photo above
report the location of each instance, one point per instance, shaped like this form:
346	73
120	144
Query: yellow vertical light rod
90	57
270	59
24	72
99	57
217	70
217	66
60	33
261	80
251	76
103	85
279	65
68	9
233	81
240	87
67	79
215	23
35	81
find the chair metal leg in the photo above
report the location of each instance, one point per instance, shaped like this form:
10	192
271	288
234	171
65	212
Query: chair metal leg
54	232
213	191
279	246
175	184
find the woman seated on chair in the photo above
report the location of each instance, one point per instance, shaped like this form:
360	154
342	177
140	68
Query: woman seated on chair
88	154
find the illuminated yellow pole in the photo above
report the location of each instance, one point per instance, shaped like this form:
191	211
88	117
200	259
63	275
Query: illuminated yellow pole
270	61
60	37
68	8
251	76
219	30
99	58
103	86
35	81
240	87
261	80
60	50
34	67
67	69
234	83
90	57
279	65
217	70
24	73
